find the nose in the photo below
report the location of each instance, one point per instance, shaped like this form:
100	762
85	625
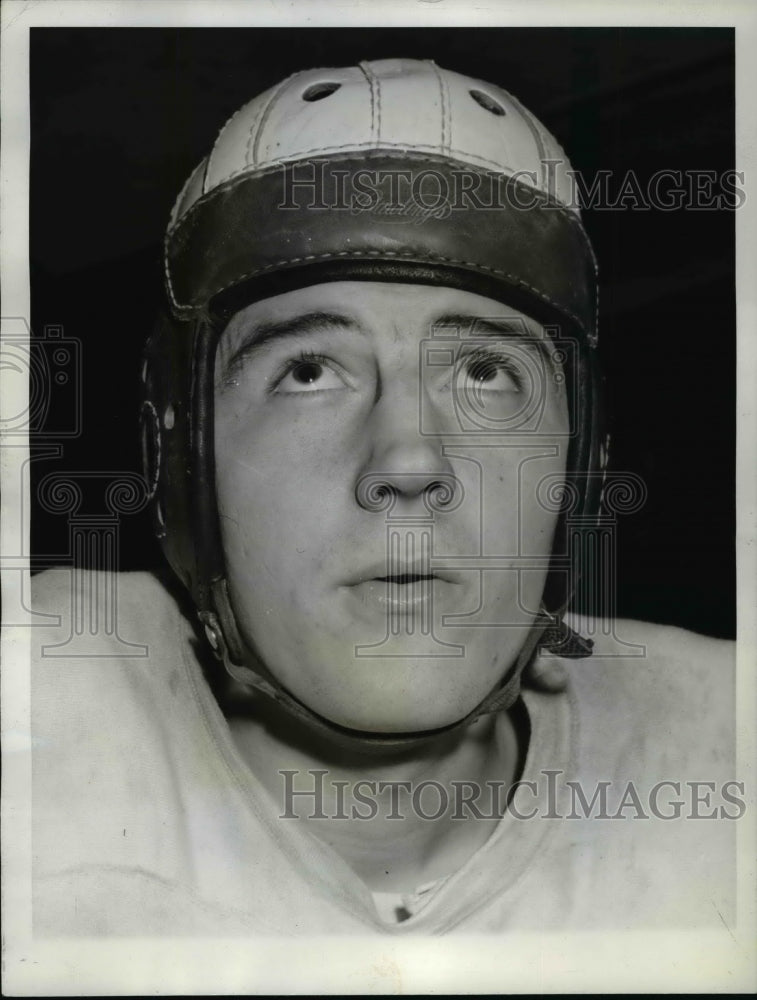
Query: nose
405	462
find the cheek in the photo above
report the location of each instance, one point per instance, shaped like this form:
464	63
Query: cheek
262	456
515	519
541	478
281	492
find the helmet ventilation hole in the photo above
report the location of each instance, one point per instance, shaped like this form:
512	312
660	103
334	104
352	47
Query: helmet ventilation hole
486	102
320	90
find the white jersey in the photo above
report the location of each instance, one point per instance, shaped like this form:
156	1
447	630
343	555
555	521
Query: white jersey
146	820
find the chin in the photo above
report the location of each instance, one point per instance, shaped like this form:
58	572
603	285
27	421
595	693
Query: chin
409	707
391	693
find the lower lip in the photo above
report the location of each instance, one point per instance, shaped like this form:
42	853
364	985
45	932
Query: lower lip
398	599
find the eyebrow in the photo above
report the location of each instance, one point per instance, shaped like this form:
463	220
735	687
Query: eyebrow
300	325
511	327
488	326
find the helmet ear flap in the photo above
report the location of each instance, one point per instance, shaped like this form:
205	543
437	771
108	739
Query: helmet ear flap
587	461
176	420
165	434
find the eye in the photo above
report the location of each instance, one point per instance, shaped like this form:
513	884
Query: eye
489	371
307	374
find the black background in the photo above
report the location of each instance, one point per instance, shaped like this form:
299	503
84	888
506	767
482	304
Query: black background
119	118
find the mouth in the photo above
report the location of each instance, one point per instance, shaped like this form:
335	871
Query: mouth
403	594
409	591
403	574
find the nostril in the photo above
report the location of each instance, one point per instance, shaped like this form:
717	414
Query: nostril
486	102
318	91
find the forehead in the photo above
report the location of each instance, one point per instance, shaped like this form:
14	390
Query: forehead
373	306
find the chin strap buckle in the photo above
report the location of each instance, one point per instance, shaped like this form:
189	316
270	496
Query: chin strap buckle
213	633
560	639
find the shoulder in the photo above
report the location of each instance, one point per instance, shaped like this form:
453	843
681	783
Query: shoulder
95	613
113	719
633	653
56	591
659	687
110	640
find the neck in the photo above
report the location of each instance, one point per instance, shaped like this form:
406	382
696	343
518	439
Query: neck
368	801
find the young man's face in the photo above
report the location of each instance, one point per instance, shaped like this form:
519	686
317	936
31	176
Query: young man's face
379	449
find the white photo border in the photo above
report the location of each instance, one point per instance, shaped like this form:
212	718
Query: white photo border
518	963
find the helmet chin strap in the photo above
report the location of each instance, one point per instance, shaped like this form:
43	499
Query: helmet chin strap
548	630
